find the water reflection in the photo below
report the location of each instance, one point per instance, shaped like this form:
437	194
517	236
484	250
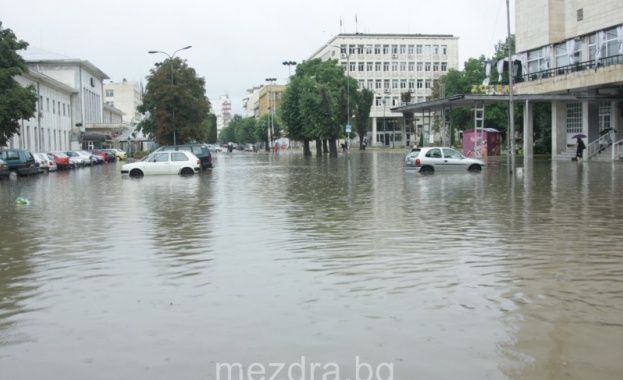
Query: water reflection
270	257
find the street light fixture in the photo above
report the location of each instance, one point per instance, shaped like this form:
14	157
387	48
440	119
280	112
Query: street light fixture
172	81
289	64
270	113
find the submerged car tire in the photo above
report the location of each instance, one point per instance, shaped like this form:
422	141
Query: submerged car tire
427	170
474	169
136	173
187	171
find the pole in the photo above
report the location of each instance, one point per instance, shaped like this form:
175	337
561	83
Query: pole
510	91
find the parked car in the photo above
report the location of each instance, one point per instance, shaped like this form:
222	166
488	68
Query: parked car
429	160
19	161
164	162
214	148
200	150
51	162
61	159
43	161
86	156
4	169
75	159
249	148
95	159
120	154
108	157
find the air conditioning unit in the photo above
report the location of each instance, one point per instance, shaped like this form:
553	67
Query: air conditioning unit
40	114
394	56
343	55
387	91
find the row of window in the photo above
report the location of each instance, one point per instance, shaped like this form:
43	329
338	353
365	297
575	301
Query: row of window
403	84
378	49
402	66
58	107
41	139
394	101
574	116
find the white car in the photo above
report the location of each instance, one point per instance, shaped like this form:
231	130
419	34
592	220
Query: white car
86	157
430	160
215	148
164	162
45	163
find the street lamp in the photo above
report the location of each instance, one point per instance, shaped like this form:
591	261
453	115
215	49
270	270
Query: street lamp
346	52
270	114
172	82
289	64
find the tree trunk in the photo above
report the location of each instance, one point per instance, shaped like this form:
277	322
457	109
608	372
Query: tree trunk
325	148
306	149
318	147
332	148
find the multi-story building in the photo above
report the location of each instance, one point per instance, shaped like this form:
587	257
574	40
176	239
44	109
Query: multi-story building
574	48
221	107
390	65
125	96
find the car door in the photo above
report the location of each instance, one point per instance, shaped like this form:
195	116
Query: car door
433	157
158	164
453	160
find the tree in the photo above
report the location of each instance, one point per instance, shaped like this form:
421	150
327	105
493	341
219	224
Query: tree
16	102
176	107
210	125
363	103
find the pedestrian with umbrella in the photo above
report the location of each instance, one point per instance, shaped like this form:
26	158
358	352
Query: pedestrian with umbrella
580	147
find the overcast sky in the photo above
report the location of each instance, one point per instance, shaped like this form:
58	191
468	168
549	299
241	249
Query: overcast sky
237	44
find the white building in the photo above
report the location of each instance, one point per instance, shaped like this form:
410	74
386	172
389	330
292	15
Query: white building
51	126
573	48
125	96
389	65
86	82
221	107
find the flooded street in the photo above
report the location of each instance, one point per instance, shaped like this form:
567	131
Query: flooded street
278	258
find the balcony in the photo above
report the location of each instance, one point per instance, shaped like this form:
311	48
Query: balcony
569	69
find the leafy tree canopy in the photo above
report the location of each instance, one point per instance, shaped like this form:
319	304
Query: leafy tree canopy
16	102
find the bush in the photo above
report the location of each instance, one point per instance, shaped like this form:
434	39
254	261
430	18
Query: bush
139	153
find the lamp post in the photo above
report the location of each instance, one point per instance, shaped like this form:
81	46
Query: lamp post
270	113
384	120
347	53
289	64
172	82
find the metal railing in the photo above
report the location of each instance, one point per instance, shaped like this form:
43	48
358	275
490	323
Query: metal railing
617	150
568	69
600	145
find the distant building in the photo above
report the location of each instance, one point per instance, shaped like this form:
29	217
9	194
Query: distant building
221	107
252	102
389	65
126	96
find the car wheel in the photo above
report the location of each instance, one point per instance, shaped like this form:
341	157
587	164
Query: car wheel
474	168
187	171
136	173
427	170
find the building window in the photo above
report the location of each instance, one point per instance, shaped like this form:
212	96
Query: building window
411	66
377	67
436	66
403	84
377	84
395	83
394	66
361	66
386	83
47	104
426	49
605	111
385	66
419	49
427	66
428	83
362	84
444	66
420	83
436	49
370	84
420	66
444	50
110	93
403	66
353	66
40	102
580	14
369	66
411	49
536	61
394	49
385	49
411	84
369	49
377	49
53	106
574	117
403	49
63	109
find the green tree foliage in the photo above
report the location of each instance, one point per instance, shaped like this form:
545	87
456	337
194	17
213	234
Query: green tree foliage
363	103
317	102
16	102
179	105
210	125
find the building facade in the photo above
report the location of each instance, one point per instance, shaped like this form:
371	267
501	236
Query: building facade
573	48
221	107
390	65
125	96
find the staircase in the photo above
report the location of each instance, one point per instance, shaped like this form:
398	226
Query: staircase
567	155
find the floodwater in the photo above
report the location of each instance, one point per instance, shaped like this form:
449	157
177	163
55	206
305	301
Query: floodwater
350	267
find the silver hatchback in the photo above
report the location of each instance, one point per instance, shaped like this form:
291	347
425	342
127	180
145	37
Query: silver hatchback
429	160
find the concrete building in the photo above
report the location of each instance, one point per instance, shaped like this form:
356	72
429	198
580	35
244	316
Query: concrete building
125	96
221	107
87	98
389	65
573	48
